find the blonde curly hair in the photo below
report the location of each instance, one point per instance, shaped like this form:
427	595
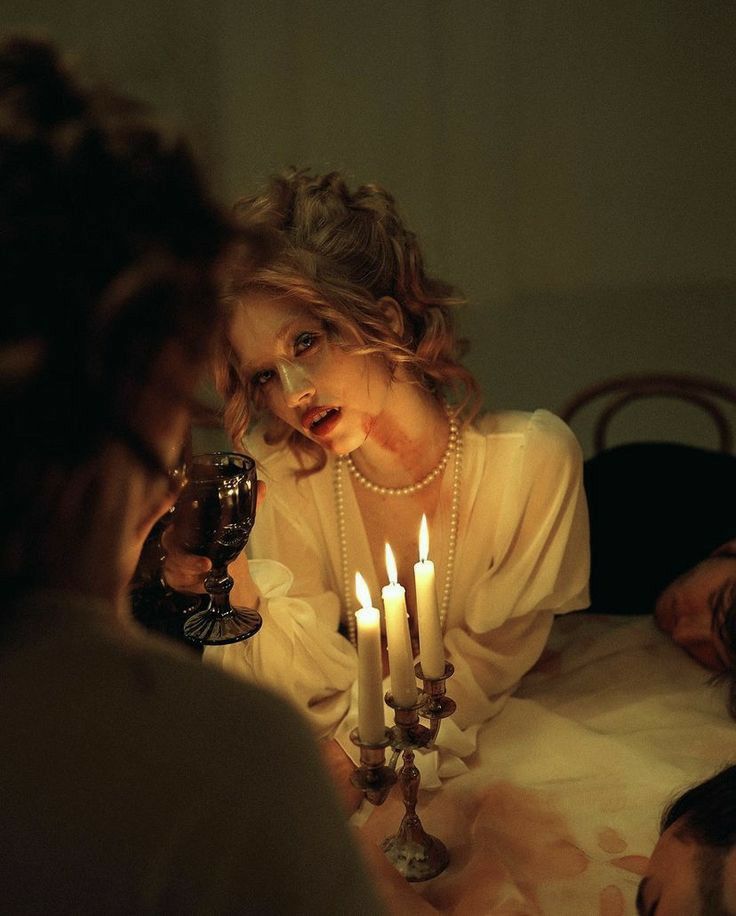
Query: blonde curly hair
341	253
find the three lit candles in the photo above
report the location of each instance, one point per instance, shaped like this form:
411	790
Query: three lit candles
401	657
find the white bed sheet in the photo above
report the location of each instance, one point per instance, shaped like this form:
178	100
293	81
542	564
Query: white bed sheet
561	805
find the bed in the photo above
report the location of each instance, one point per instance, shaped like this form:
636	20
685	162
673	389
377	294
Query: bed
560	807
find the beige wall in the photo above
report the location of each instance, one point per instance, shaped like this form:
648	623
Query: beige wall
570	165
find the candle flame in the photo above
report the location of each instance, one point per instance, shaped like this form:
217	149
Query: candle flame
393	574
362	591
423	540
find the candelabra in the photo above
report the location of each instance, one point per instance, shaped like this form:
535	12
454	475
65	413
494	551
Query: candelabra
416	854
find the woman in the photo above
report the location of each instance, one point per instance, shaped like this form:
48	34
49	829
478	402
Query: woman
341	364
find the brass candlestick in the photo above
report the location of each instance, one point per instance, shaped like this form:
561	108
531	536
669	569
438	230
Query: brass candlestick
416	854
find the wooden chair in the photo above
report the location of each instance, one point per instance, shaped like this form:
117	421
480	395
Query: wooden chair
617	392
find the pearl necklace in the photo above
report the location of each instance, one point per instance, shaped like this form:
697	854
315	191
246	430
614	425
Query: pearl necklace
412	487
457	449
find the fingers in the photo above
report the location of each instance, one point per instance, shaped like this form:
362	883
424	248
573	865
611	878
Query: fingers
182	571
186	572
261	495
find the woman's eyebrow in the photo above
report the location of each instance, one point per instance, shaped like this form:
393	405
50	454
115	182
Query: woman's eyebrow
248	370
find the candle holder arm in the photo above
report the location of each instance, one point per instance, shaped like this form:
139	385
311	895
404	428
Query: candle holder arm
438	705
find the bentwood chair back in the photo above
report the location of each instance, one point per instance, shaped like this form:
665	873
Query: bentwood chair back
656	508
615	393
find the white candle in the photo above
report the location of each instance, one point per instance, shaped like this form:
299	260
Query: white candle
370	676
401	662
432	649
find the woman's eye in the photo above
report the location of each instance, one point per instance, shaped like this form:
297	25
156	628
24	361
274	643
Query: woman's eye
304	341
261	378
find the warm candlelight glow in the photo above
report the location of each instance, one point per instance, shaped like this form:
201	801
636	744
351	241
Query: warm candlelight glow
423	540
362	591
392	572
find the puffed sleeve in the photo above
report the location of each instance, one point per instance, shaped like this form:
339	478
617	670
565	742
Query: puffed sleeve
299	651
538	567
541	556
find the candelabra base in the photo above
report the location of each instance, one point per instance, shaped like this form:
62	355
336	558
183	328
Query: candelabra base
416	855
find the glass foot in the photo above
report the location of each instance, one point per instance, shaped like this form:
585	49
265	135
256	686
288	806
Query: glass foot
208	628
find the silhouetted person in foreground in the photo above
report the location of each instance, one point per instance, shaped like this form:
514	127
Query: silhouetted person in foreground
132	779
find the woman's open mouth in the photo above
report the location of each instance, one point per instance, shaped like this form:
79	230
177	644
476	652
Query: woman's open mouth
320	421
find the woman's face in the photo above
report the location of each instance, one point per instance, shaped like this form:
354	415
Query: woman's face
687	607
303	377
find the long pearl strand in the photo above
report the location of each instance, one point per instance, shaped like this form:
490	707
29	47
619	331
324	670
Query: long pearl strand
339	488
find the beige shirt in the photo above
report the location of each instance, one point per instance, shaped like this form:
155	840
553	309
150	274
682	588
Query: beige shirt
136	780
522	556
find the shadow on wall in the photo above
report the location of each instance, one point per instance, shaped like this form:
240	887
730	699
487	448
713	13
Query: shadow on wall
542	347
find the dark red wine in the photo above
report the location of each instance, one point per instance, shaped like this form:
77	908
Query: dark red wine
215	511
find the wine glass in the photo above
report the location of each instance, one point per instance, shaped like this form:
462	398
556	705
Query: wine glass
213	518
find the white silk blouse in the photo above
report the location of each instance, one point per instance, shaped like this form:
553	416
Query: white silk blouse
522	556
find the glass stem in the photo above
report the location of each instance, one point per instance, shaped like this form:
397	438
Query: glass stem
218	585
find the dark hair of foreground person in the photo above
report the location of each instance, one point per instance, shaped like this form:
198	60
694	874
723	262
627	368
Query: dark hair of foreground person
134	779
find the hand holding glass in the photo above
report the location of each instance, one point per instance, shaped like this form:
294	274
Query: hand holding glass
213	518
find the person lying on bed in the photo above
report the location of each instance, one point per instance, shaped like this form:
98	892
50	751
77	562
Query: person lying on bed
698	610
663	539
692	870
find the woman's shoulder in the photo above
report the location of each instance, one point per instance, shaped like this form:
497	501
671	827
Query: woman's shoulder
522	422
536	430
